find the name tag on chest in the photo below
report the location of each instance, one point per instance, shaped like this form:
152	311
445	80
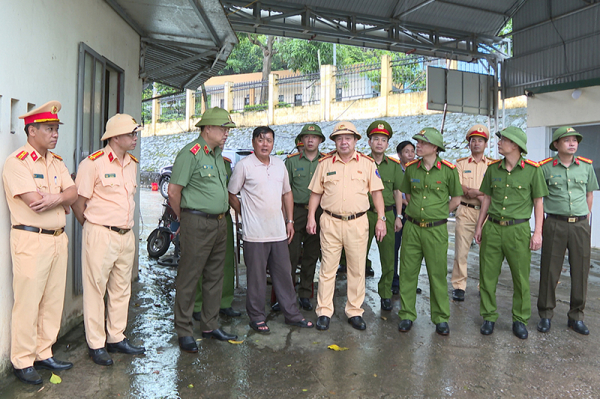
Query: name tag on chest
107	175
38	176
331	173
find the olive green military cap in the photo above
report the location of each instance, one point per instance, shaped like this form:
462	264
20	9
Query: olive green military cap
216	117
380	127
310	128
431	135
516	135
564	131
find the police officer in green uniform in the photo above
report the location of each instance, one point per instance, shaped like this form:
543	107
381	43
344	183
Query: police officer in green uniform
301	167
571	182
228	271
512	186
391	174
428	183
199	197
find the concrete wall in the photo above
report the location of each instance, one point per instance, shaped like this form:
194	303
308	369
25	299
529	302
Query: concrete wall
39	63
548	110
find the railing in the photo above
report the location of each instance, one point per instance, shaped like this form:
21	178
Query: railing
299	90
146	112
172	108
358	81
215	96
250	96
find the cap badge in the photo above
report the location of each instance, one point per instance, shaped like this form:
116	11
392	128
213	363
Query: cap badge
380	126
422	133
570	130
311	128
480	130
54	109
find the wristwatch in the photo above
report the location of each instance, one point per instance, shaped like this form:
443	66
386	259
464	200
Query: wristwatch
383	218
399	216
289	221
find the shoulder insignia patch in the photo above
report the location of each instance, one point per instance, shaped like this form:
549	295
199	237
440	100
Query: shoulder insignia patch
412	162
293	155
226	159
366	156
194	150
532	163
56	155
22	155
586	160
134	159
545	161
494	161
96	155
462	159
323	154
448	164
325	157
394	160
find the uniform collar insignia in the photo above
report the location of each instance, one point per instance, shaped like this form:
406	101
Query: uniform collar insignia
111	157
34	155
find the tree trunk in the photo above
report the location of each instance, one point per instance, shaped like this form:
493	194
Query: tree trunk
266	71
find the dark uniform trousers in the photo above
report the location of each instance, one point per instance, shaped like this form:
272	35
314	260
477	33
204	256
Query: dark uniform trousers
203	247
310	247
386	254
558	236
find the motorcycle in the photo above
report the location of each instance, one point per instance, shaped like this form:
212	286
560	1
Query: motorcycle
160	239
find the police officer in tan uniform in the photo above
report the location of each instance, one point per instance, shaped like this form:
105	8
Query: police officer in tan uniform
38	190
106	184
341	185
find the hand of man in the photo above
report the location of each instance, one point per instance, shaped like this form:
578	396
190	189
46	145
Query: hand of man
290	231
311	226
48	201
478	235
398	225
536	241
380	230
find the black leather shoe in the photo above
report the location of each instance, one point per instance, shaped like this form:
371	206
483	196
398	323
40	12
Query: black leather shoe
275	307
386	304
323	323
487	328
305	303
219	334
197	316
52	364
578	326
544	325
520	330
395	290
125	347
442	328
357	322
100	356
458	295
28	375
369	272
229	312
405	325
188	344
419	290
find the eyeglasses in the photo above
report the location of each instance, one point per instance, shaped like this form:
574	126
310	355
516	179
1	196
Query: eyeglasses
131	135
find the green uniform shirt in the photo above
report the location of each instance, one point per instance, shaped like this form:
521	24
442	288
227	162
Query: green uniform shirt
430	190
512	193
300	171
391	175
203	176
567	187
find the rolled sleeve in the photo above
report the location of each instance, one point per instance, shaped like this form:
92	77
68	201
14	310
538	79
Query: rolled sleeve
20	181
316	184
85	179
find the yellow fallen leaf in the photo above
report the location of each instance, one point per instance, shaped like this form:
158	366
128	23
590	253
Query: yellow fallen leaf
383	318
231	341
334	347
374	375
289	365
55	379
305	390
191	386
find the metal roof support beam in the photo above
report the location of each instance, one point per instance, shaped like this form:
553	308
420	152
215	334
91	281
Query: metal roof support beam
553	19
206	20
156	71
196	76
415	8
450	3
173	43
123	14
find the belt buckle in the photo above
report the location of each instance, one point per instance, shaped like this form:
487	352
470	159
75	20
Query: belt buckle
58	232
220	216
476	207
423	224
122	231
572	220
345	218
503	223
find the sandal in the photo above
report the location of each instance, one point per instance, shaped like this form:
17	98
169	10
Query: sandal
302	323
260	326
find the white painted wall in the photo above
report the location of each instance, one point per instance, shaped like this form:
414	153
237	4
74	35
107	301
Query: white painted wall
548	110
39	63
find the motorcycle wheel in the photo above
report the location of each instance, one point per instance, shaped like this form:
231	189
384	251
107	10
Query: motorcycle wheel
158	243
164	187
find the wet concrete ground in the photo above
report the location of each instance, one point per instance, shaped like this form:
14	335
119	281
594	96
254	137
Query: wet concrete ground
295	363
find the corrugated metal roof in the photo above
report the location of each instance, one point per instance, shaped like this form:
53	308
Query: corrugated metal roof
184	42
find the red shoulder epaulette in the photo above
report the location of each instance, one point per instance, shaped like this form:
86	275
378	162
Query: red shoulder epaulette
545	161
56	155
195	149
586	160
532	163
96	155
394	160
322	154
293	155
226	159
448	164
462	159
134	159
331	152
494	161
325	157
22	155
412	162
366	156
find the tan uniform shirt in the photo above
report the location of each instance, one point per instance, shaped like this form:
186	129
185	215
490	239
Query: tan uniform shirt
470	173
25	170
110	188
345	186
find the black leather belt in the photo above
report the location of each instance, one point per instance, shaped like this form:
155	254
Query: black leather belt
385	209
297	205
118	229
426	224
38	230
350	217
206	215
570	219
470	205
507	222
